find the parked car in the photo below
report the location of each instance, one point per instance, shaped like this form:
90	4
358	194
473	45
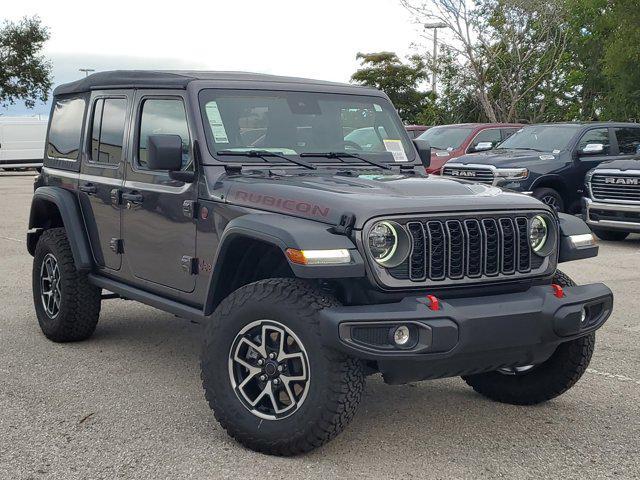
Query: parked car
452	141
415	131
310	266
21	142
612	203
549	161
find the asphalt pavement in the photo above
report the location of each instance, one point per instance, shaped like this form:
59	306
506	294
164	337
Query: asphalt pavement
128	403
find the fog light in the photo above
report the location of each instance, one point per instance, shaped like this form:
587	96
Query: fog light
583	315
401	335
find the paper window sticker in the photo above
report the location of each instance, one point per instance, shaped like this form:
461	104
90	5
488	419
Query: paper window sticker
215	122
395	148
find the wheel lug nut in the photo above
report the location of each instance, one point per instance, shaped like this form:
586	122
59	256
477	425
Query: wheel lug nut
263	377
280	368
260	362
276	381
272	355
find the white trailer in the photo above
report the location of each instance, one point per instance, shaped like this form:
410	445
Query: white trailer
22	142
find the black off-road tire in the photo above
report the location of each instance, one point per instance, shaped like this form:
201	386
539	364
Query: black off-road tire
544	381
549	196
336	381
79	308
610	235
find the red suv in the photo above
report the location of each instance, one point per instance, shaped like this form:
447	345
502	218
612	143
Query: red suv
451	141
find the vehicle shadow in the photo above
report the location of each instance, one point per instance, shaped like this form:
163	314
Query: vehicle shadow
393	415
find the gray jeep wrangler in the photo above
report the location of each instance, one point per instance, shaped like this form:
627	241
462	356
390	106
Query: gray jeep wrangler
293	218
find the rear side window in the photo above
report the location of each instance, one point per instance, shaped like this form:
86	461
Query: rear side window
163	117
107	132
66	128
628	140
597	135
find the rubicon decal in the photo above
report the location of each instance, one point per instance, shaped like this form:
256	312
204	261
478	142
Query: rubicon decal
282	204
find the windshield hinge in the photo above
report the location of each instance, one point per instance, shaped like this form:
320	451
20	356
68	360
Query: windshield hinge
345	226
232	169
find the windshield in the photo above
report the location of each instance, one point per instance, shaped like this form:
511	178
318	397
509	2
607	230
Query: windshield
446	138
294	123
541	138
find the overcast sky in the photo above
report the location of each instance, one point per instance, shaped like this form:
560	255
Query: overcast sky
317	39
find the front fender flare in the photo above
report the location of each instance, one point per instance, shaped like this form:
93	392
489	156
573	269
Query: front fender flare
67	206
570	225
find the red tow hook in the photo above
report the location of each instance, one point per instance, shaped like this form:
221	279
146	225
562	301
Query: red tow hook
434	303
557	290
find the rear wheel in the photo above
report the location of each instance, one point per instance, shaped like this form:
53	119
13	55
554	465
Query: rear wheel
66	304
532	384
271	384
610	235
550	197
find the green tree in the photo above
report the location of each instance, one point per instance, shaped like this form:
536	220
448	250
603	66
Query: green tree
400	81
24	74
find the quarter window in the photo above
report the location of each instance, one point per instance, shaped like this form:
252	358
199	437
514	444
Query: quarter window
163	117
107	131
628	140
66	128
597	135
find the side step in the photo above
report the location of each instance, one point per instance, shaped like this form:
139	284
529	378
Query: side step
151	299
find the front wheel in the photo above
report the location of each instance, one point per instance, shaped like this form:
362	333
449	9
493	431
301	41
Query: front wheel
550	197
270	382
532	384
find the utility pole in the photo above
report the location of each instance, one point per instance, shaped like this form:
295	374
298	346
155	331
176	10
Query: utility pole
86	71
435	27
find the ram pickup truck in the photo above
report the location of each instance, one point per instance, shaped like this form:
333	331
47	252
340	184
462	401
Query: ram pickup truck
550	161
233	200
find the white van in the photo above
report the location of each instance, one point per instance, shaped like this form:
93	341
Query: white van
22	142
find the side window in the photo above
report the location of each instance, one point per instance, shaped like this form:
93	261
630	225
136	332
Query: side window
628	140
597	135
107	131
490	135
163	116
66	128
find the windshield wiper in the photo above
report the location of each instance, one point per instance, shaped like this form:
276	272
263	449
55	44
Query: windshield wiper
341	155
263	154
522	148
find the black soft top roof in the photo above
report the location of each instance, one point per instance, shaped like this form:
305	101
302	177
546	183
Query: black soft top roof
180	79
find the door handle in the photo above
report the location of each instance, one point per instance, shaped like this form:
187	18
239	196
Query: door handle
132	198
89	188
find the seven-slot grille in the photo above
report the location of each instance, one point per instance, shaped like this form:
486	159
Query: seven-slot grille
456	249
482	175
615	186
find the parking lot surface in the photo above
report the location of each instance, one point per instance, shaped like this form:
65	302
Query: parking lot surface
128	402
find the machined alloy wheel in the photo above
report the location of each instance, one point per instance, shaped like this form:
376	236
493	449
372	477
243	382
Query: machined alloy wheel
515	370
50	292
269	369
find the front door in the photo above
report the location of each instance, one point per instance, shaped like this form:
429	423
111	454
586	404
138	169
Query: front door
159	231
101	177
587	162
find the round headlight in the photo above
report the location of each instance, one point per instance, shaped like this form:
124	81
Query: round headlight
388	244
383	241
538	233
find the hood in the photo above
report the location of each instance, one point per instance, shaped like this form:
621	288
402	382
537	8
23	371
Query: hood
507	158
327	195
628	164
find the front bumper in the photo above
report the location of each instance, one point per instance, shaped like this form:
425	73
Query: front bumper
612	216
466	335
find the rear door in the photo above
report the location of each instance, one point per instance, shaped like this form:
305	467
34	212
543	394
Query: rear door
101	175
158	229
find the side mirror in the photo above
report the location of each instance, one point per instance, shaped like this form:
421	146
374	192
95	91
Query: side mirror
424	151
592	149
164	152
482	146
